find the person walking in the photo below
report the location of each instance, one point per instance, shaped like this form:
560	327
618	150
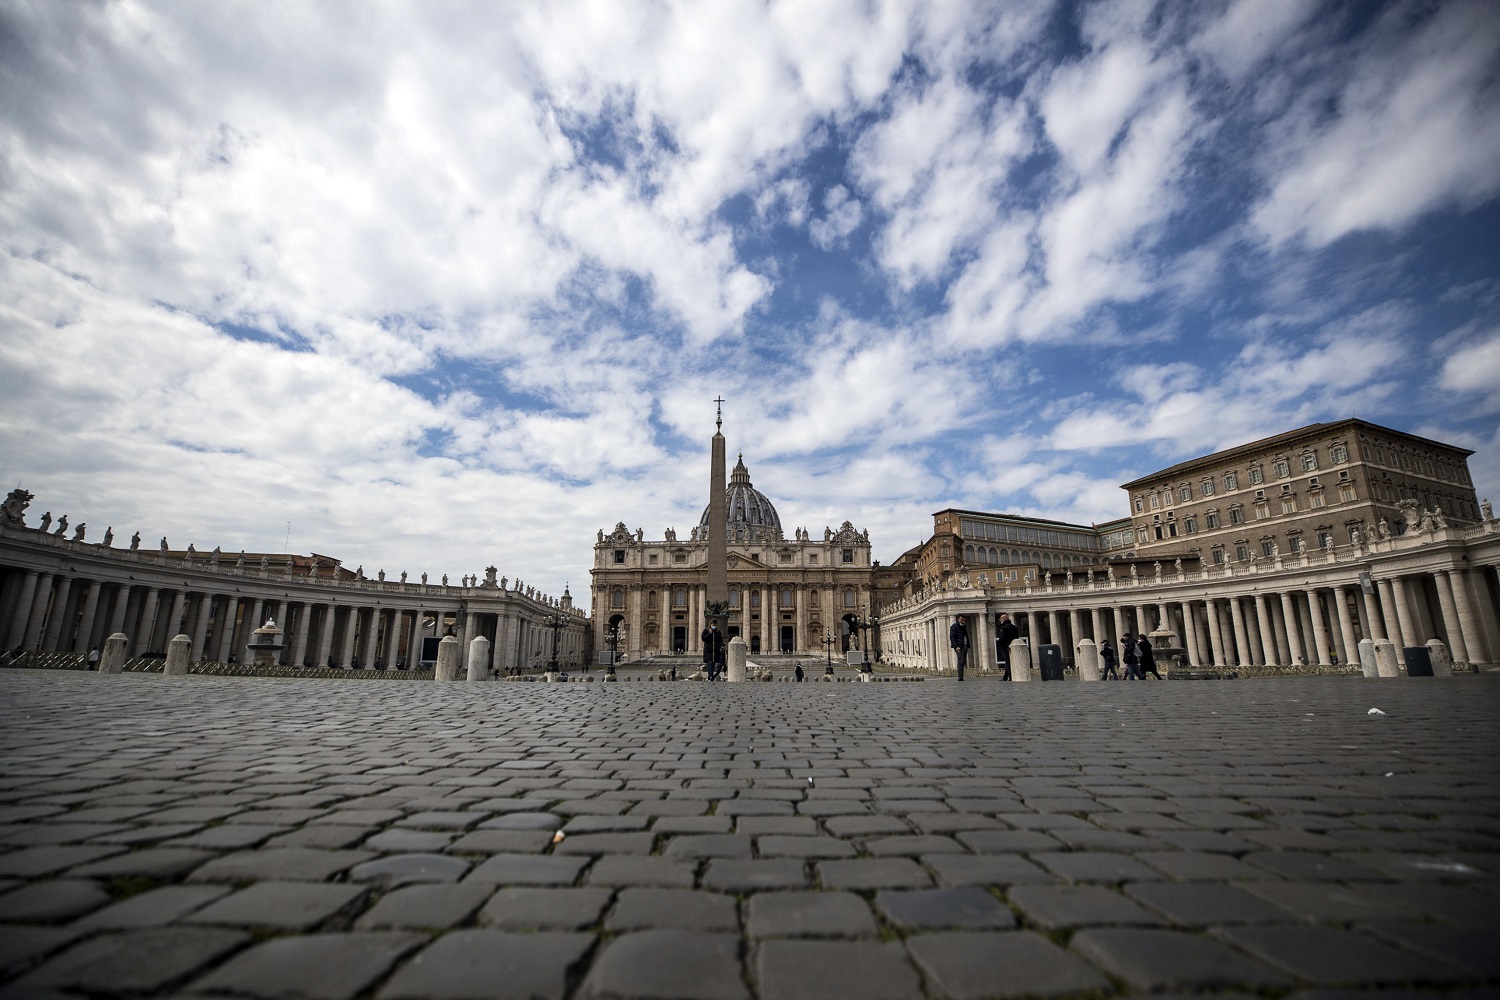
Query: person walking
800	675
1148	661
713	650
1109	659
1132	658
958	640
1006	633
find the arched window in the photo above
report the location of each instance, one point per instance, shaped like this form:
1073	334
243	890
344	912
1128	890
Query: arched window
617	599
786	597
849	597
651	600
968	553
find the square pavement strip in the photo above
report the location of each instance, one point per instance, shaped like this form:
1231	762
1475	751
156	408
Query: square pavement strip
233	836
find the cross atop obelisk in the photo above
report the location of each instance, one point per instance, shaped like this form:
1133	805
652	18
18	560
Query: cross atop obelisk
716	598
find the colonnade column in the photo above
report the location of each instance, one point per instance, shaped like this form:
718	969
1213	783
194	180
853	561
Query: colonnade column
1403	611
59	612
1319	631
200	625
1346	627
1294	651
1268	653
117	613
174	618
351	629
147	621
1373	616
86	618
1215	635
328	619
1473	636
1394	621
1457	641
15	632
1190	636
41	598
1243	655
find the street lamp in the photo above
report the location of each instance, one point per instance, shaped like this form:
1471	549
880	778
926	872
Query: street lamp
863	626
556	624
828	644
612	633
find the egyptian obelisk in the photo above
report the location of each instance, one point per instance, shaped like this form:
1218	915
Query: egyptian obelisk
717	597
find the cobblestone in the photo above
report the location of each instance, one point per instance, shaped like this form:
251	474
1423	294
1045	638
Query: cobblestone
224	835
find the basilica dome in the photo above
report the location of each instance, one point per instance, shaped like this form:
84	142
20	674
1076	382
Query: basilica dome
747	506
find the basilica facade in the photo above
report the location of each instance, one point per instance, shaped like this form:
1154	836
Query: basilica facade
792	595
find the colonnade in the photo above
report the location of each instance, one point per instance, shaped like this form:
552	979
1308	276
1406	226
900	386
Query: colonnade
62	595
1311	609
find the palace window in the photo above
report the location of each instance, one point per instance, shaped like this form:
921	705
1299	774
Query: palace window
1338	453
617	599
1190	524
619	556
652	559
848	597
848	555
1184	493
786	597
1242	551
1218	555
1295	542
754	598
1346	492
1155	501
1289	504
679	557
1231	480
1282	468
1141	533
1353	530
1172	525
679	598
734	597
1325	538
1315	498
1268	546
1206	488
1262	509
812	558
1257	476
1236	514
786	557
1309	461
1138	505
1211	518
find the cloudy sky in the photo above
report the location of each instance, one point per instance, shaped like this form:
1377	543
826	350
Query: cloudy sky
435	285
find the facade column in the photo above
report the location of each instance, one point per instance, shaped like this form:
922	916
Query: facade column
1268	652
299	632
1276	613
255	620
1241	637
1120	630
1289	613
326	620
174	618
147	622
200	626
351	629
1054	628
229	610
1457	639
1319	631
1215	635
1096	622
1403	611
119	610
1458	580
1394	621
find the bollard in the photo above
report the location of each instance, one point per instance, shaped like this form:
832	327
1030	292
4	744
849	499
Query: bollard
112	660
1386	664
734	659
447	660
178	653
1367	665
1088	660
479	658
1020	660
1442	663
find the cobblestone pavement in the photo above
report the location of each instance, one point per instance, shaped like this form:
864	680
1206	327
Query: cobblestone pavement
200	836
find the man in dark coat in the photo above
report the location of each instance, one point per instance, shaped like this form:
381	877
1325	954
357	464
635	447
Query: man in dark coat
1148	659
958	640
713	650
1006	633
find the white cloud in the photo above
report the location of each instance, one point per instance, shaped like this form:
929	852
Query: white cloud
1474	370
1249	32
1416	128
842	215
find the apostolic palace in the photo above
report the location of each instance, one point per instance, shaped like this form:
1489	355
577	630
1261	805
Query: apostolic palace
1278	554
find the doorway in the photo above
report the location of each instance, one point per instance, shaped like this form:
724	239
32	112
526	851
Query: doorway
788	638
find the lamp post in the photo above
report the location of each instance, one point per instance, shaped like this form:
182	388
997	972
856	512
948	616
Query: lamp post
828	643
613	635
556	624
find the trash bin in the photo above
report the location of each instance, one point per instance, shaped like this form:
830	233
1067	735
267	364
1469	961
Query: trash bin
1418	661
1050	661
